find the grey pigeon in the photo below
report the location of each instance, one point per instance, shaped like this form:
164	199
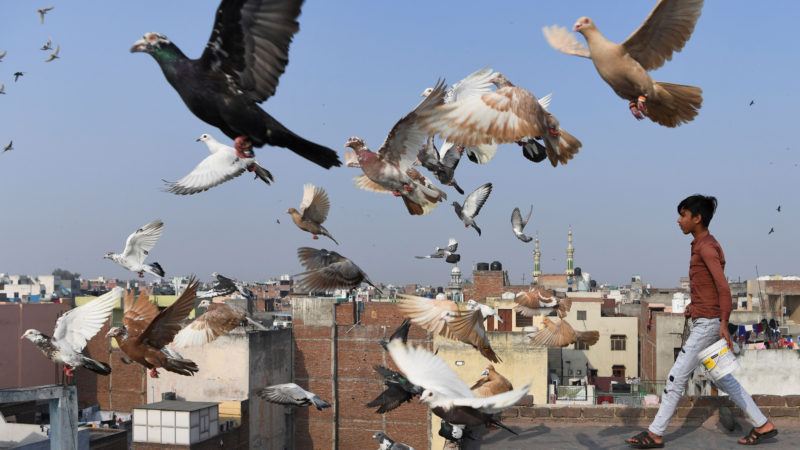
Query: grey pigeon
224	286
43	11
442	252
388	444
472	206
53	55
47	45
443	167
292	394
518	224
8	147
329	270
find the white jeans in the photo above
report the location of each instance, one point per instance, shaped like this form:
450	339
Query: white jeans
704	333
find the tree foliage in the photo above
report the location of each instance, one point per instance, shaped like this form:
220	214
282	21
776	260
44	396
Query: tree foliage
66	274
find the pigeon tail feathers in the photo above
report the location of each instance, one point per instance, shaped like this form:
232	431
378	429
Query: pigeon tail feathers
155	269
96	366
319	403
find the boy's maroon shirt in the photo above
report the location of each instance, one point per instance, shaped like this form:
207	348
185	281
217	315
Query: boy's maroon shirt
711	296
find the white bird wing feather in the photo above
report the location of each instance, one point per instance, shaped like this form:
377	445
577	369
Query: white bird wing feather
195	334
78	325
214	170
495	403
475	84
475	200
285	393
425	369
561	39
141	241
544	102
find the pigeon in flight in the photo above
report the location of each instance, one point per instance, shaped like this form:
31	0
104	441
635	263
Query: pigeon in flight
446	394
385	443
443	166
771	230
224	287
329	270
146	332
17	75
559	333
532	303
313	211
518	224
292	394
472	206
624	66
42	12
442	252
53	55
246	54
8	147
137	247
454	433
398	390
225	163
47	45
389	169
73	329
779	208
3	54
491	383
218	320
752	102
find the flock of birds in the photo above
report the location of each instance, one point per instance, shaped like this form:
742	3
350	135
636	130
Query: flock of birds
240	67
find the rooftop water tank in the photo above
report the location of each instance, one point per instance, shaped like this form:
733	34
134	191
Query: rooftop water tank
483	266
496	265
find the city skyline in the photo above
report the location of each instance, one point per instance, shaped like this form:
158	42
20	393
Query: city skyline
96	131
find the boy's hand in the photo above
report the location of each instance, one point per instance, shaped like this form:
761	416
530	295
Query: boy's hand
688	310
724	334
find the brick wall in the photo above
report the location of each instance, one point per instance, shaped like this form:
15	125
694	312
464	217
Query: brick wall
489	283
350	423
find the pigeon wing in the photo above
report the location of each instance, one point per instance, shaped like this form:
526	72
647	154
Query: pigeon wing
666	30
429	314
167	323
342	274
315	204
427	370
141	241
475	200
473	85
561	39
250	43
403	142
363	182
214	170
138	315
495	403
554	334
284	394
75	327
452	245
209	326
468	328
312	259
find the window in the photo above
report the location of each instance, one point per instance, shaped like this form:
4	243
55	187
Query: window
618	342
581	346
523	321
581	315
618	371
675	352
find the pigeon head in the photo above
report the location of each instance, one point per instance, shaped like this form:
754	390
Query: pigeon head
214	274
32	335
116	332
205	137
356	143
150	43
485	373
292	211
426	92
379	436
204	304
109	255
427	396
582	24
499	80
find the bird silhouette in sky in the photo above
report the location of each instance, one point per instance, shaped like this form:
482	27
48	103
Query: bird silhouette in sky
17	75
771	230
779	208
8	147
752	102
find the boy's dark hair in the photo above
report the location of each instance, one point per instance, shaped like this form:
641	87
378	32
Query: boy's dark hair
705	205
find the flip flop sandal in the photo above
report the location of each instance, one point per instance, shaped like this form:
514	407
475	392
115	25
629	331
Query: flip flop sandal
643	440
753	437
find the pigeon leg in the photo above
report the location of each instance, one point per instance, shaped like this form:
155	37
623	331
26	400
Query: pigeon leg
460	149
153	373
251	168
315	237
407	187
641	104
68	371
396	193
141	275
635	111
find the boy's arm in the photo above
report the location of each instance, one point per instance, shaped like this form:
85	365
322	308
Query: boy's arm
710	257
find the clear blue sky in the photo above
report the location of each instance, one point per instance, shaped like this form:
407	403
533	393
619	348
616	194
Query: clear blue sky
95	132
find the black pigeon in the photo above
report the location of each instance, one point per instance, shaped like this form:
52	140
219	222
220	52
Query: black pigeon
533	150
752	102
452	258
398	390
17	75
246	54
454	433
400	333
779	208
388	444
771	230
224	286
444	167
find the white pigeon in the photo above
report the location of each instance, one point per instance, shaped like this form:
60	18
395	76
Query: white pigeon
486	310
448	396
47	45
73	329
137	247
225	163
472	206
292	394
518	224
43	11
53	55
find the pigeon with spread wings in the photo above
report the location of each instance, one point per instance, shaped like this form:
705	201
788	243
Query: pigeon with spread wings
472	206
218	320
313	211
624	66
225	286
146	332
329	270
73	330
246	54
540	301
518	224
559	333
293	395
491	383
137	247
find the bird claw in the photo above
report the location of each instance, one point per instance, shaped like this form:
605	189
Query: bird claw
141	275
407	188
460	149
641	104
635	111
396	193
315	237
153	373
68	371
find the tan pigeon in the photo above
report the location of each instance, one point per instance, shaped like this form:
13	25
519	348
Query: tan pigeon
559	333
531	303
313	211
624	66
491	383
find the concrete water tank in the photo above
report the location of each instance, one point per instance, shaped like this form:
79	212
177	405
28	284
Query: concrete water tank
482	266
496	265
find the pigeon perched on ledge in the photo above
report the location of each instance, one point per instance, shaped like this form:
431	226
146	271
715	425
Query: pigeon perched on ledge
246	54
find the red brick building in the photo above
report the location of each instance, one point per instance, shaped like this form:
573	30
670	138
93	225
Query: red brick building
334	358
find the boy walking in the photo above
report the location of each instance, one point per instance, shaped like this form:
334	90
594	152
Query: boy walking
709	310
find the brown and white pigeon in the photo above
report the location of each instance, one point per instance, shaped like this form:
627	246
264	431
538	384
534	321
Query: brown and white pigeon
313	211
390	169
218	320
329	270
559	333
624	66
223	164
540	301
472	206
73	330
518	224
